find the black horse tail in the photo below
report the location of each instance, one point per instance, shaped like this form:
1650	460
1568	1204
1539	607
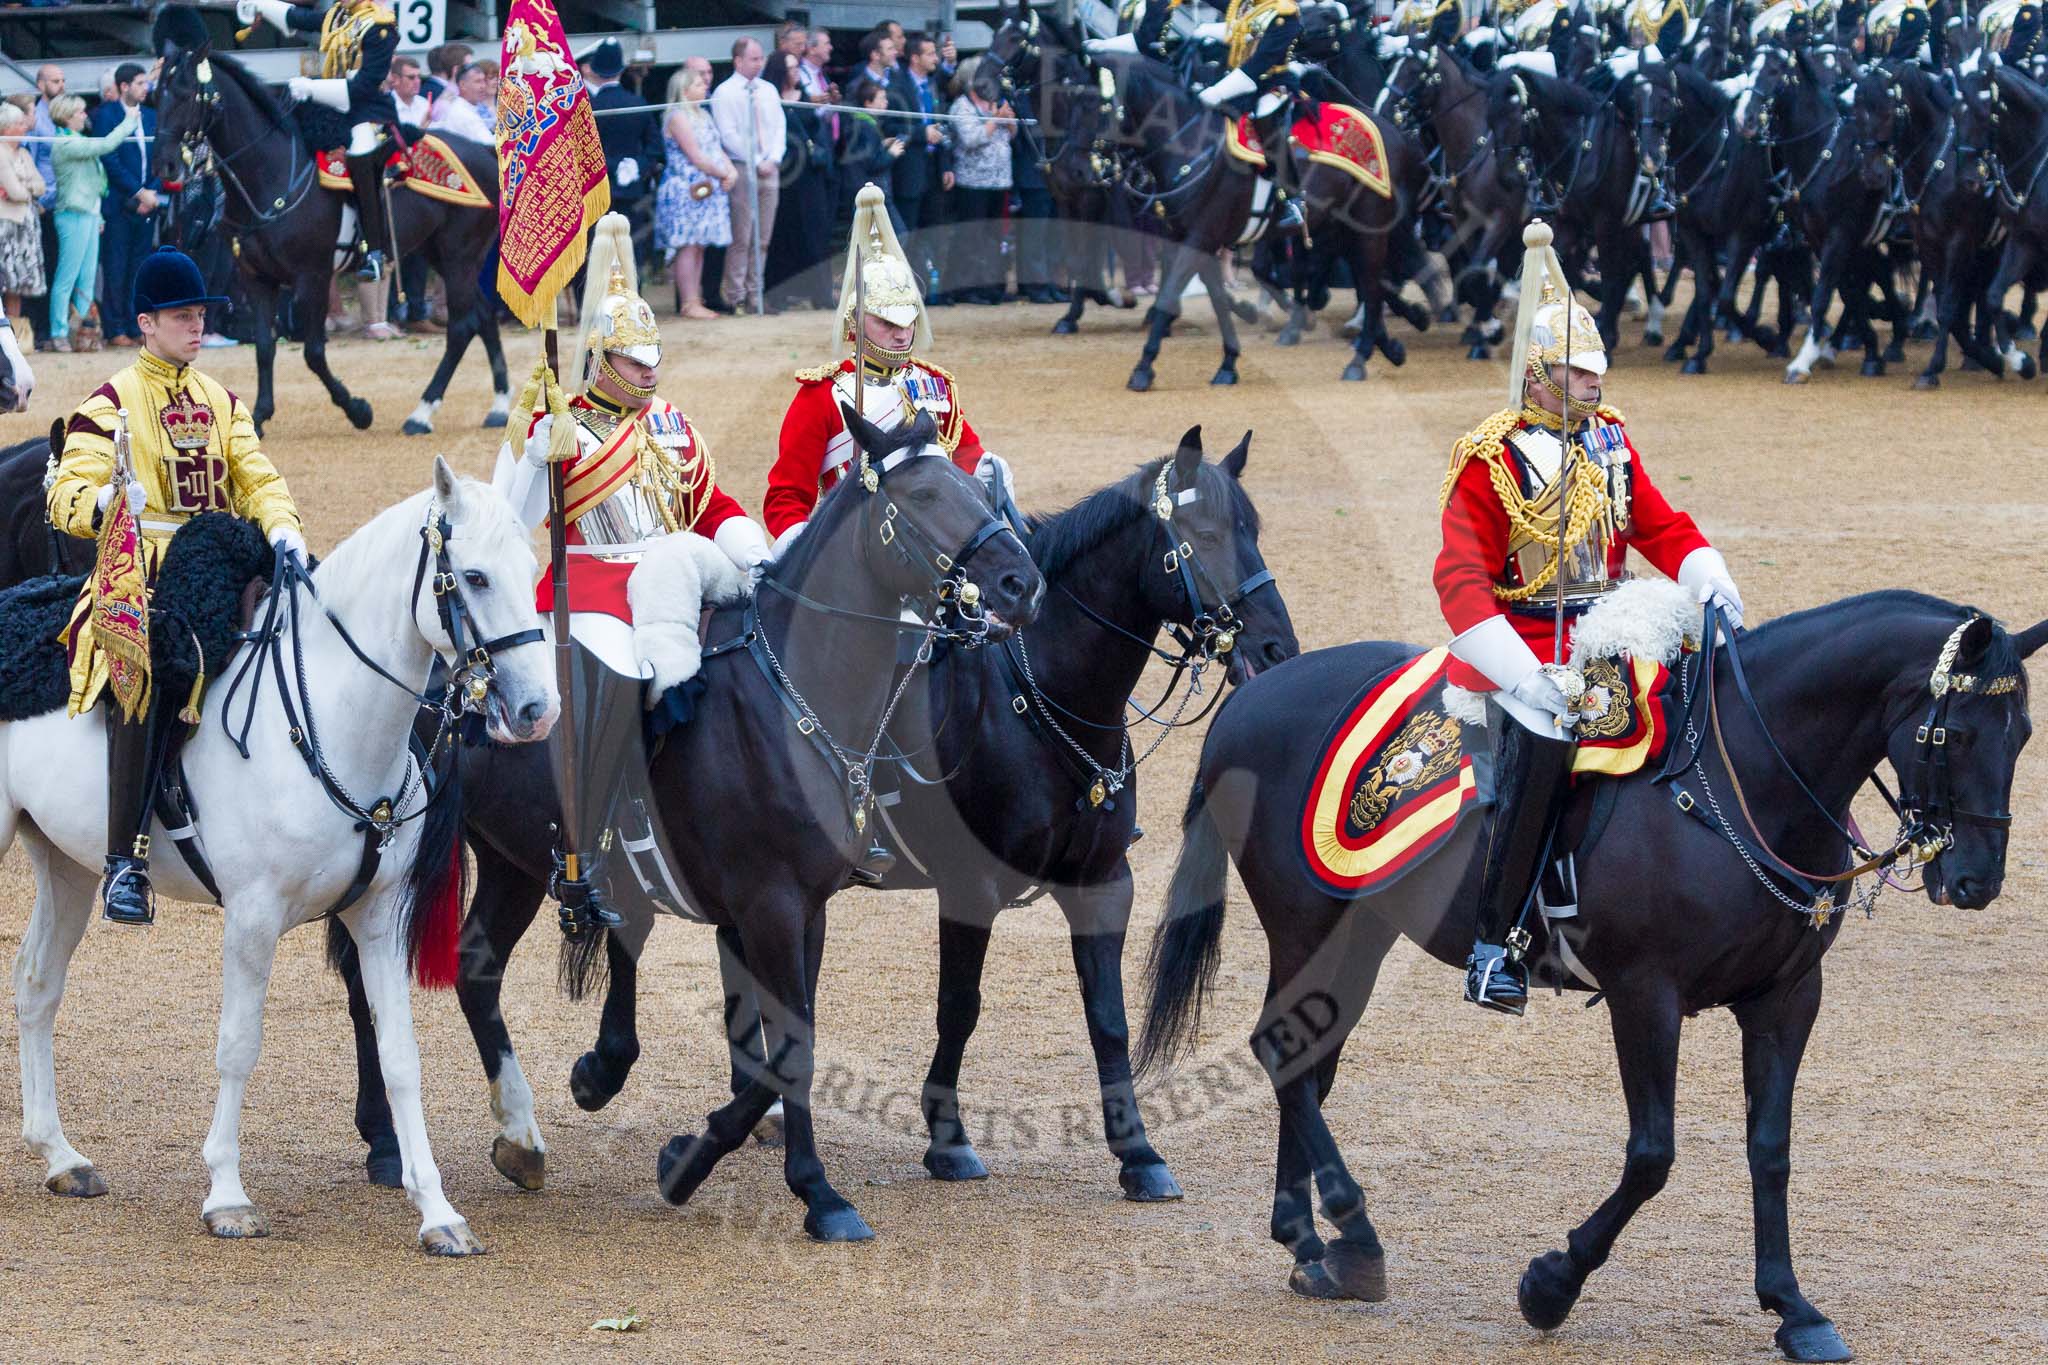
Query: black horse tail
437	884
1187	947
583	964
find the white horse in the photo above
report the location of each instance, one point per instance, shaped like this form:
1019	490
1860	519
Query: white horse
281	848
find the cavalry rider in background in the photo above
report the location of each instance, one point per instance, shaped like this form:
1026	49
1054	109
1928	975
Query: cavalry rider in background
1427	21
194	449
1497	578
357	41
1262	35
641	471
2023	40
815	450
1656	35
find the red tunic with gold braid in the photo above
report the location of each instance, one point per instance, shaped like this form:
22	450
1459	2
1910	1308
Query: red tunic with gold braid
1483	569
636	476
816	450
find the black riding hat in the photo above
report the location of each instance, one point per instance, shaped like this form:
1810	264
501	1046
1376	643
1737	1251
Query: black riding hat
168	278
179	27
606	60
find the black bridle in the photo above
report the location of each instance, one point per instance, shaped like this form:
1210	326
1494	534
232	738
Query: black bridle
1926	805
200	160
465	693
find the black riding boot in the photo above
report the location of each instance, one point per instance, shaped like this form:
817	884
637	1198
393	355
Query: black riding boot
1530	776
366	179
1287	219
124	893
611	759
1661	204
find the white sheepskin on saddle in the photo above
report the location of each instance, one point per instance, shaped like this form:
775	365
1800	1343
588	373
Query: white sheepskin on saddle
1645	618
677	577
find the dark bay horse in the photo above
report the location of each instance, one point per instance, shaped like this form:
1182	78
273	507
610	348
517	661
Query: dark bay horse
997	802
215	118
2002	122
783	723
1675	914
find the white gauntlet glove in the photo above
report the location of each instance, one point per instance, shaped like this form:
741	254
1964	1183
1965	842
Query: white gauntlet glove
137	499
287	540
1705	574
331	91
537	444
1540	691
273	12
994	473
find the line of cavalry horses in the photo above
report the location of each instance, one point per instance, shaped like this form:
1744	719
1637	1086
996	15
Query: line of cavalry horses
1022	723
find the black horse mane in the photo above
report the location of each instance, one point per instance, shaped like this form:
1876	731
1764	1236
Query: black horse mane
1564	96
792	566
2023	92
1060	539
2001	657
1692	83
248	83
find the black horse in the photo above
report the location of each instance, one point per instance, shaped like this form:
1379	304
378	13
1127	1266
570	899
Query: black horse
29	546
1675	914
1790	110
776	748
215	119
2002	122
1908	135
995	800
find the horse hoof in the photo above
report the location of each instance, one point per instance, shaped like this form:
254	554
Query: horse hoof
80	1182
684	1164
1290	335
1139	382
1693	365
955	1163
1923	330
1797	377
1813	1341
358	410
1394	351
843	1224
1358	1273
1895	354
1311	1281
1548	1291
2027	368
523	1166
1777	351
1225	376
1479	353
1065	327
414	427
1150	1183
1354	373
454	1240
593	1083
2023	332
1927	381
768	1132
237	1223
386	1170
493	420
1653	338
1674	353
1873	369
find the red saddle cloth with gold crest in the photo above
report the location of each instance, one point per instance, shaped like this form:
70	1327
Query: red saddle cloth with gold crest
1396	779
1337	136
427	167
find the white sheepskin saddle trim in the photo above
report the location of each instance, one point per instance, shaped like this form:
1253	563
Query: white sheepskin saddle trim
1465	705
676	577
1645	618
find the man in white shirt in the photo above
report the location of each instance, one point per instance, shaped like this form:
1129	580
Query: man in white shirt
750	125
415	107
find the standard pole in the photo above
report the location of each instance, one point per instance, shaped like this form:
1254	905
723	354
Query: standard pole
565	662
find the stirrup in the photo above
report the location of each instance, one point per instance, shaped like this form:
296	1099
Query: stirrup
1495	981
873	866
582	904
1287	219
125	895
371	268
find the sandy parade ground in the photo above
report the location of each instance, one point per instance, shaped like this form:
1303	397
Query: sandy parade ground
1920	1181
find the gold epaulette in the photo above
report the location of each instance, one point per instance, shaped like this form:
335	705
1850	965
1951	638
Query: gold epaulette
818	375
1611	414
1484	441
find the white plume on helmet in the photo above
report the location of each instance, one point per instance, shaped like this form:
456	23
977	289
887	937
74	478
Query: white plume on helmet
1544	312
614	317
891	286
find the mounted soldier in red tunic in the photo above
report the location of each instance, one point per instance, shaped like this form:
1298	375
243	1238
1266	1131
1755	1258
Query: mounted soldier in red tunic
639	474
1556	457
816	450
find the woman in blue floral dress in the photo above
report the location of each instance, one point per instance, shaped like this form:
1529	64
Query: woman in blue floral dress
692	209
